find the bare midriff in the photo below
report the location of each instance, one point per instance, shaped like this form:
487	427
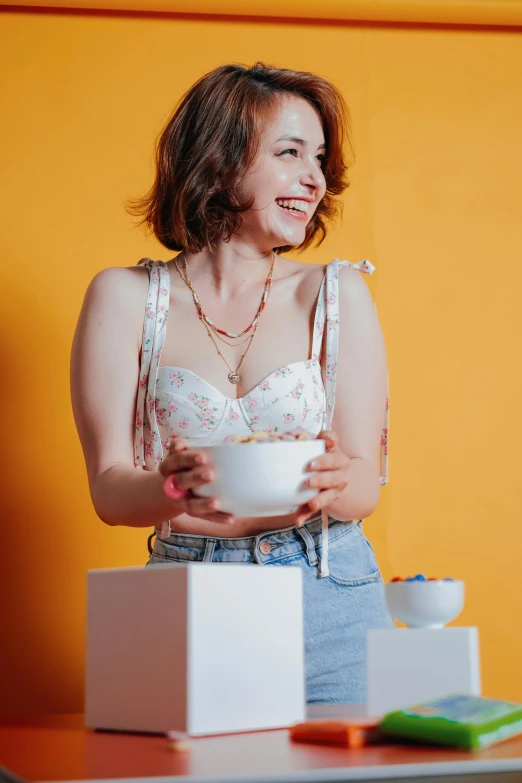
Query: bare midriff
240	528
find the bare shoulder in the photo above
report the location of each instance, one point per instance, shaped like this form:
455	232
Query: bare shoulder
353	287
118	295
351	279
306	278
124	285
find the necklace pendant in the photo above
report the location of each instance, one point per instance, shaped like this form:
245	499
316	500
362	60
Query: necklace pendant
234	377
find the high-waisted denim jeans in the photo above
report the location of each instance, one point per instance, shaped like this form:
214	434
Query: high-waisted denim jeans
338	609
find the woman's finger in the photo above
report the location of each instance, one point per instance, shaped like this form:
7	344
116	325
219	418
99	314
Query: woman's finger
302	515
191	479
183	460
329	479
324	499
178	444
198	507
334	460
331	438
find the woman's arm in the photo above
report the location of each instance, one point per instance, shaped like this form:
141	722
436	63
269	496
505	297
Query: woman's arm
360	398
104	380
104	373
132	497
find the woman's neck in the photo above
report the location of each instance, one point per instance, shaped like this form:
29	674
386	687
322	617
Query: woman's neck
228	271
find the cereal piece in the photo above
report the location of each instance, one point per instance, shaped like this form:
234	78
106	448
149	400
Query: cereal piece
298	434
262	436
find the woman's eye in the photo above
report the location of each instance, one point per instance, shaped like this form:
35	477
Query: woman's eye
321	159
284	152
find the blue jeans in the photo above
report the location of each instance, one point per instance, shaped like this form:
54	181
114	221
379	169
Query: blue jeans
338	609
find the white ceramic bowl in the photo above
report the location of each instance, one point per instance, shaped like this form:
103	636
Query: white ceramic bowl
261	479
425	604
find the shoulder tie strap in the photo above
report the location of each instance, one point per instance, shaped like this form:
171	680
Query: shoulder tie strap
331	298
317	338
331	328
147	441
332	350
319	321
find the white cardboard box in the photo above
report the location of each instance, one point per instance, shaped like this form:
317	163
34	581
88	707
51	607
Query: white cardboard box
199	648
409	665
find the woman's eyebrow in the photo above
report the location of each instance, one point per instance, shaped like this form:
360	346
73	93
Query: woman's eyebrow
301	142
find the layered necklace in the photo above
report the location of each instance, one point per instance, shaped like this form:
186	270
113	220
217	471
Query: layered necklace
215	331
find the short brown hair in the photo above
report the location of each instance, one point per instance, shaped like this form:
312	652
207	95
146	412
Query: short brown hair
210	142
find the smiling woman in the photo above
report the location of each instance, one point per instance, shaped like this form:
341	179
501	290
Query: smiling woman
248	166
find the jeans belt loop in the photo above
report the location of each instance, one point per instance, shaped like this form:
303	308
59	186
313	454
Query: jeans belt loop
210	545
310	545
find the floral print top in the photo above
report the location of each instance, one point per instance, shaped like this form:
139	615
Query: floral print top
176	401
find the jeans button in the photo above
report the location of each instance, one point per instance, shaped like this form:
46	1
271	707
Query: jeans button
265	548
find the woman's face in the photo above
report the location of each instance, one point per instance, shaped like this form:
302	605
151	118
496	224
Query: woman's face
285	180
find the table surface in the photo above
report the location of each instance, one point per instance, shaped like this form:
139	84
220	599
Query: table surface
59	748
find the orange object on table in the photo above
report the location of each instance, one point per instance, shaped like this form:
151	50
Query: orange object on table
347	732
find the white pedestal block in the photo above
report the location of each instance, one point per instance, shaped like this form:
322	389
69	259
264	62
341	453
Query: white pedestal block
409	665
197	648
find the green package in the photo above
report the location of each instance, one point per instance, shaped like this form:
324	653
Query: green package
458	720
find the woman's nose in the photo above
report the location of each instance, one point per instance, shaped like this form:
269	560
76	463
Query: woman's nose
312	174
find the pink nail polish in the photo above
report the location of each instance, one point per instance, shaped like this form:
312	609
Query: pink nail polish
171	490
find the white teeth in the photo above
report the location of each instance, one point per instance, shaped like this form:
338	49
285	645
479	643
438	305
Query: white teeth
293	203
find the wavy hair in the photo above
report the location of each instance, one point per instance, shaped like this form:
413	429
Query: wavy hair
210	142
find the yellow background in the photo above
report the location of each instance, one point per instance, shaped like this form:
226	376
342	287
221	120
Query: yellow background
435	205
480	12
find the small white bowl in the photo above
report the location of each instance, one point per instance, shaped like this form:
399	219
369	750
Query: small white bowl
261	479
427	604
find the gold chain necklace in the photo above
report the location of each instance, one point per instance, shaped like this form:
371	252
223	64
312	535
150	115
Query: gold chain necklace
264	298
233	376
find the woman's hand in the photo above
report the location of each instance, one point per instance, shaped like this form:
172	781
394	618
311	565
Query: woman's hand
330	477
185	470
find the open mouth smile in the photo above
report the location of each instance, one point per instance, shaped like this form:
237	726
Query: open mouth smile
295	208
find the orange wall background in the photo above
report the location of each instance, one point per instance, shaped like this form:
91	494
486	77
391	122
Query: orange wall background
435	205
